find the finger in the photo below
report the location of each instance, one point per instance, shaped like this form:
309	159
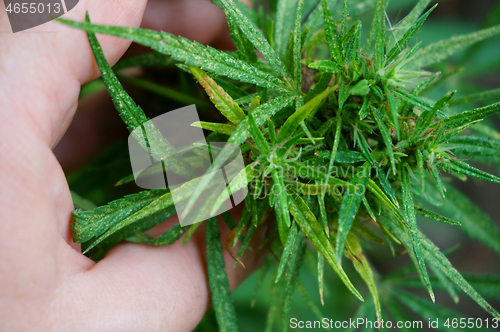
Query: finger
41	75
55	60
151	289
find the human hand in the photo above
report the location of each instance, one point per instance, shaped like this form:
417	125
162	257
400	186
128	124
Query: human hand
45	283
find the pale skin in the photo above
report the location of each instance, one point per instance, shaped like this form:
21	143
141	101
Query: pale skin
46	284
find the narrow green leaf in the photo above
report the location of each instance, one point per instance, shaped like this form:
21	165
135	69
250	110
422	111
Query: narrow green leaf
403	41
152	59
314	232
393	109
349	208
297	48
240	181
217	279
165	239
413	231
473	146
283	24
435	175
475	97
190	232
477	224
221	128
434	216
261	114
278	182
245	48
291	277
332	38
443	49
440	261
294	238
343	24
429	116
133	116
192	53
326	66
411	18
321	281
88	224
256	37
386	136
446	283
363	268
424	308
466	169
224	103
257	135
293	122
335	147
380	36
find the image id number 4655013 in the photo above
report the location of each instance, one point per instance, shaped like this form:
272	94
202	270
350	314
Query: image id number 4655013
33	8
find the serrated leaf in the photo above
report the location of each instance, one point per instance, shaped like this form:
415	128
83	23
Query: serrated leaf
291	278
217	279
89	224
424	308
297	48
440	261
314	232
363	268
473	146
189	52
159	204
464	168
256	38
349	208
413	231
243	45
408	35
332	38
278	182
380	36
221	99
475	97
411	18
294	237
386	186
434	216
283	24
443	49
477	224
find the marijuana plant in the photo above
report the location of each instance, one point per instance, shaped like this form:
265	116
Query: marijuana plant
334	134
